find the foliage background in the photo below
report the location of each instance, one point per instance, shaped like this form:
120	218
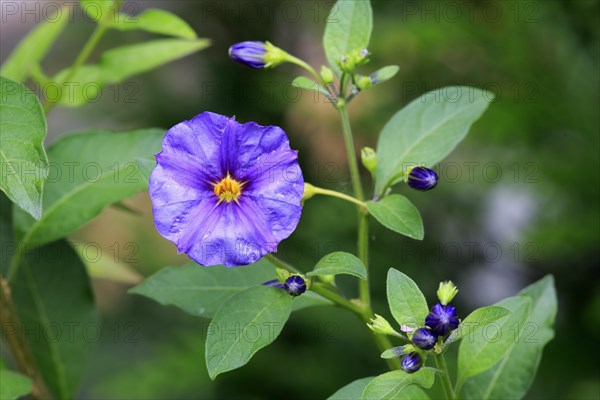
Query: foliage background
525	183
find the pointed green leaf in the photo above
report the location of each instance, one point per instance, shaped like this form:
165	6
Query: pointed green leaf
478	319
348	28
384	74
427	130
23	160
483	348
392	385
303	82
155	21
394	352
340	262
397	213
512	376
90	170
406	301
14	385
244	324
352	391
33	48
54	299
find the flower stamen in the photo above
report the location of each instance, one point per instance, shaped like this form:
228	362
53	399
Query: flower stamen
228	189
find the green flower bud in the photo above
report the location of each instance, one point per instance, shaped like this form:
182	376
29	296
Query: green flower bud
326	74
369	159
274	55
327	279
348	62
363	82
282	274
446	292
381	326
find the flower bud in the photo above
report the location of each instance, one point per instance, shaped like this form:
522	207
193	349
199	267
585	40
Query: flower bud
421	178
369	159
326	74
380	325
356	58
411	362
446	292
424	339
257	54
442	319
363	82
295	285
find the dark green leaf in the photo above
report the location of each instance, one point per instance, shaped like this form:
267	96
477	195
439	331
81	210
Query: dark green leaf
426	131
397	213
391	385
406	301
33	48
352	391
340	262
244	324
155	21
14	385
478	319
90	171
54	299
348	28
23	160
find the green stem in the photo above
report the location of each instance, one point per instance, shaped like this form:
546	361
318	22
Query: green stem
303	64
440	362
282	264
333	193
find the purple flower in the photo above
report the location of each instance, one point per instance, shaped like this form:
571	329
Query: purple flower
422	178
224	192
295	285
250	53
412	362
442	319
424	339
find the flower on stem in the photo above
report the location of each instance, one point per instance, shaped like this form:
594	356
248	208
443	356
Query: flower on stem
225	192
424	339
295	285
257	54
412	362
446	292
421	178
442	319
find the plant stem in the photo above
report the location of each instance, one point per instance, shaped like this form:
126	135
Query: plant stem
311	70
282	264
333	193
440	362
19	347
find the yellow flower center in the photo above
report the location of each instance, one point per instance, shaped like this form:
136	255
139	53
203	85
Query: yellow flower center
228	189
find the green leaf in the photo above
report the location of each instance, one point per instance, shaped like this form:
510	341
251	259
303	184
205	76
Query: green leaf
33	48
391	385
146	166
155	21
14	385
340	262
348	28
426	131
54	299
407	303
512	376
483	348
478	319
309	299
7	240
397	213
352	391
303	82
23	160
394	352
90	171
119	64
244	324
384	74
99	10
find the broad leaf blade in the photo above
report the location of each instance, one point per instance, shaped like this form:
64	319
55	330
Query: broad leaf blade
478	319
56	305
340	262
397	213
90	171
512	376
23	160
33	48
155	21
348	28
427	130
485	347
391	385
352	391
406	301
14	385
244	324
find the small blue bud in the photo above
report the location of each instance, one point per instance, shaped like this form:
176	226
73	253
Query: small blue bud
422	178
424	339
250	53
411	362
442	319
295	285
276	283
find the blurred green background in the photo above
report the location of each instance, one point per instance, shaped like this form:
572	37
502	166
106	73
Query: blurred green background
517	200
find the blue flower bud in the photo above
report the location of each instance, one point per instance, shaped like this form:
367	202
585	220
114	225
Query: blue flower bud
442	319
424	339
422	178
411	362
295	285
250	53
